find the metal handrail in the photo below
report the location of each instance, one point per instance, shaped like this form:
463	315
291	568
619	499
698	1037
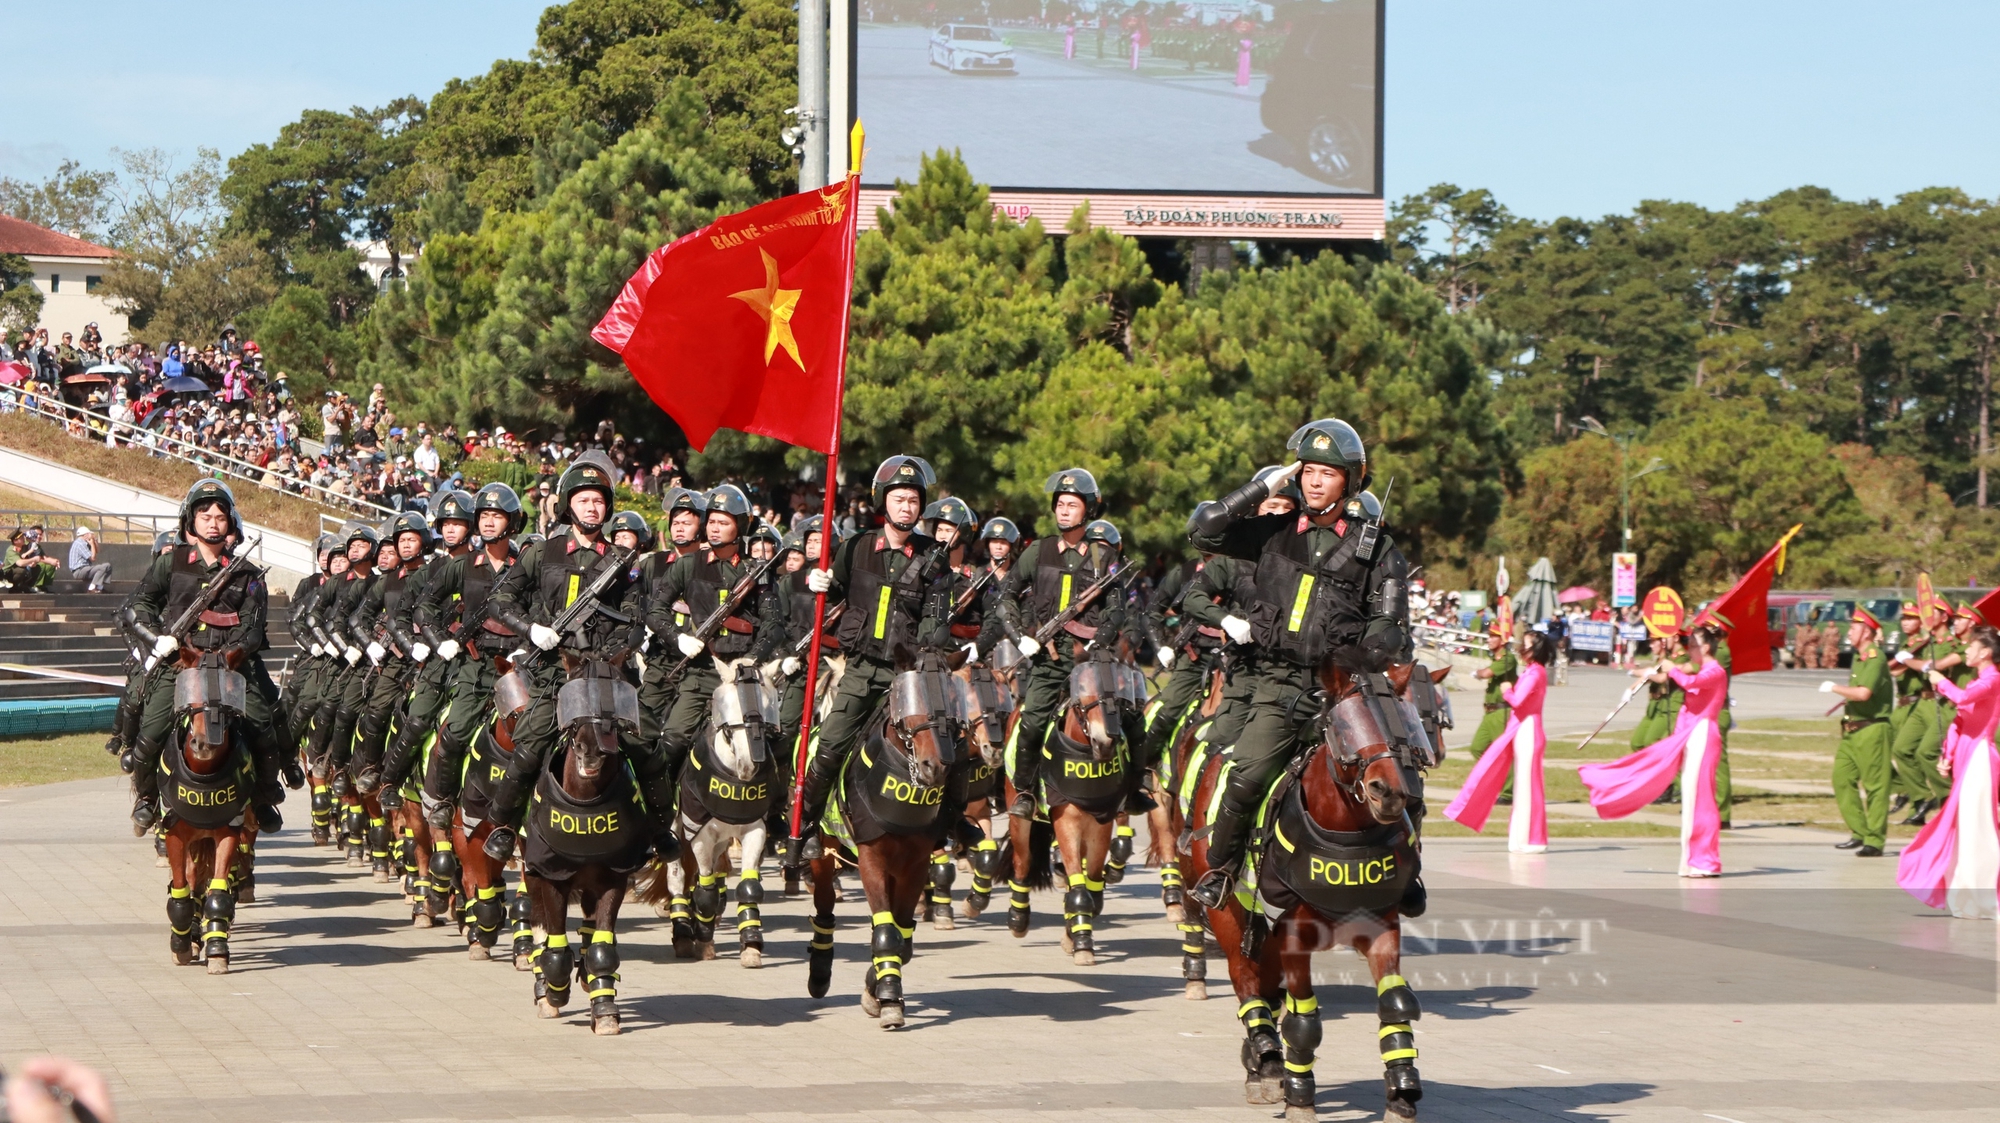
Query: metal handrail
161	445
101	522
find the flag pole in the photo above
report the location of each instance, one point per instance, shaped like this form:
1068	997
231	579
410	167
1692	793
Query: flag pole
827	539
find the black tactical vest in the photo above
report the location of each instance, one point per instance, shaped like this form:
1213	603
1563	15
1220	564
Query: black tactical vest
218	626
1056	588
1300	609
565	573
881	617
799	611
475	588
709	583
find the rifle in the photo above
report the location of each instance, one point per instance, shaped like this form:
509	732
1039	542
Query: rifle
971	594
580	610
714	621
1117	576
204	600
832	618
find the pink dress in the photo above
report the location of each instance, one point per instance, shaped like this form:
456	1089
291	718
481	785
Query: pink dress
1954	862
1620	787
1517	751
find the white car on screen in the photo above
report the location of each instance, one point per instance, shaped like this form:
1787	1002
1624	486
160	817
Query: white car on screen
969	48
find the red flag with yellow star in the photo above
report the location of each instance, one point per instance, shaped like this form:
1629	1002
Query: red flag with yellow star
1743	615
743	323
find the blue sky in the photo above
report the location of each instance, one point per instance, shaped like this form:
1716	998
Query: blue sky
1558	107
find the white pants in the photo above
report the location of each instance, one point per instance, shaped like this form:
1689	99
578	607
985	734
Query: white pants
1975	865
1526	809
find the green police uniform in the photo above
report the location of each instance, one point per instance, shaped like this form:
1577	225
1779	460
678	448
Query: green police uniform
1724	790
1037	590
1861	764
1220	587
1916	728
1506	669
686	593
1166	617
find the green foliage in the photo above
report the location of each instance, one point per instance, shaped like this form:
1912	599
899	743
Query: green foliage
73	201
20	300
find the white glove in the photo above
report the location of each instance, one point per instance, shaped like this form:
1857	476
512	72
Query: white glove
449	649
376	651
543	636
353	656
165	646
971	652
1027	646
1237	628
819	580
1826	687
316	650
689	645
1905	656
789	666
772	672
1166	658
420	651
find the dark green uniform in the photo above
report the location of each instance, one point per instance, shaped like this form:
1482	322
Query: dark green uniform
431	685
1167	618
687	592
1505	669
455	601
1038	589
1861	765
1915	731
656	694
1220	588
340	704
384	616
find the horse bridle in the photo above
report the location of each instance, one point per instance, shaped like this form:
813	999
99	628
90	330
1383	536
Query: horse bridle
1339	757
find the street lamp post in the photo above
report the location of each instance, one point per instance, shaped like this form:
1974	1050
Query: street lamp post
1624	443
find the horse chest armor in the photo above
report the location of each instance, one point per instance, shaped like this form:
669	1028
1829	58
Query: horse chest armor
606	828
213	800
721	794
1334	873
1095	786
879	776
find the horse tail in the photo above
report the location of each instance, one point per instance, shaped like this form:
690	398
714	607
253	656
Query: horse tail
1041	855
649	885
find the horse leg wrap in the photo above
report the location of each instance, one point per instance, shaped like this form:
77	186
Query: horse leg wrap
1171	888
218	908
600	966
683	924
985	861
749	909
378	839
1096	890
819	955
556	962
1395	1001
180	917
1260	1034
1017	908
322	805
1077	906
943	872
487	915
1194	964
1301	1033
523	916
706	904
444	878
886	947
1121	853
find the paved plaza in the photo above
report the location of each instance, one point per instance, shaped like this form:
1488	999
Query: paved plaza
1588	983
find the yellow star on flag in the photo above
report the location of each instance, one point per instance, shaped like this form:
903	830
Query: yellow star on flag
776	306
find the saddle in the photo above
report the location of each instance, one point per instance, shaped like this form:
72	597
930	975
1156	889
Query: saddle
707	792
1070	775
565	834
210	802
1337	874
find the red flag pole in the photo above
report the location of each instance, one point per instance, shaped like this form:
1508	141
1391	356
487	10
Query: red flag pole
826	535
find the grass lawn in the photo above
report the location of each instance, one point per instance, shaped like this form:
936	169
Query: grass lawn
45	760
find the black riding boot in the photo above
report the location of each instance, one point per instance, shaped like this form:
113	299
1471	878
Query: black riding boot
145	756
820	775
1026	763
368	752
659	792
510	798
1225	858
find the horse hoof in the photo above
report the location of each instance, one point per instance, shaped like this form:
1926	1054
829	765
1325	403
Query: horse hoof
892	1015
380	875
604	1025
422	920
941	922
183	956
1295	1113
218	965
545	1009
705	951
1084	957
751	957
246	894
869	1005
523	961
1257	1090
1400	1108
478	951
1197	990
1176	914
160	862
970	911
1068	945
683	949
663	908
1273	1089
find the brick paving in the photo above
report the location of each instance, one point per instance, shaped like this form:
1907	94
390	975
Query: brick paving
1585	984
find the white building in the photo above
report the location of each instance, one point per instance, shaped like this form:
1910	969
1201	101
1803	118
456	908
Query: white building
383	270
70	273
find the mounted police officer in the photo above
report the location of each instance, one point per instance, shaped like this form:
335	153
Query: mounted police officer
1040	587
384	617
801	550
527	600
454	606
234	622
1327	587
452	528
895	581
977	626
138	654
340	707
681	534
309	667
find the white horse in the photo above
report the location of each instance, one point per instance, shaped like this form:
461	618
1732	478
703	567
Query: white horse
728	787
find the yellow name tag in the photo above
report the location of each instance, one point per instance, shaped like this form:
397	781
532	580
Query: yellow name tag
575	585
1062	602
882	614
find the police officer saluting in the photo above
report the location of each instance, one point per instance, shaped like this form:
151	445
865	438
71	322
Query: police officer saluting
1327	586
527	599
233	622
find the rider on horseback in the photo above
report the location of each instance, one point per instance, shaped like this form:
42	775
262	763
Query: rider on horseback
453	528
383	616
526	600
681	534
1326	586
896	582
233	622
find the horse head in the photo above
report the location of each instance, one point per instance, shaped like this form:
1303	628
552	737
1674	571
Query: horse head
743	720
983	704
920	722
1094	702
592	709
209	690
1359	759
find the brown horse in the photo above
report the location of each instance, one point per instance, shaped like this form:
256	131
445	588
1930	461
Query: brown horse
986	713
205	782
883	821
1083	786
585	836
1338	855
1164	826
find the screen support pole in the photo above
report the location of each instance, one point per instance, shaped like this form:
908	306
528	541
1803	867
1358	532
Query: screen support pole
814	128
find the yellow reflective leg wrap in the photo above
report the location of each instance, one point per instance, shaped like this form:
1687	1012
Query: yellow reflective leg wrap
373	823
1398	1043
822	937
1385	982
174	894
600	985
678	909
1170	877
747	914
891	964
1254	1013
1192	941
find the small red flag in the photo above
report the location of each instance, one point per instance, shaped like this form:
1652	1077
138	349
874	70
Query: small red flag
1743	614
743	323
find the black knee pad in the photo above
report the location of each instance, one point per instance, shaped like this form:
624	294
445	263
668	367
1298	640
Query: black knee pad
750	891
488	914
556	966
180	914
1397	1003
600	960
985	860
219	904
706	901
886	941
518	909
444	864
1121	848
1078	901
942	875
322	800
1301	1034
